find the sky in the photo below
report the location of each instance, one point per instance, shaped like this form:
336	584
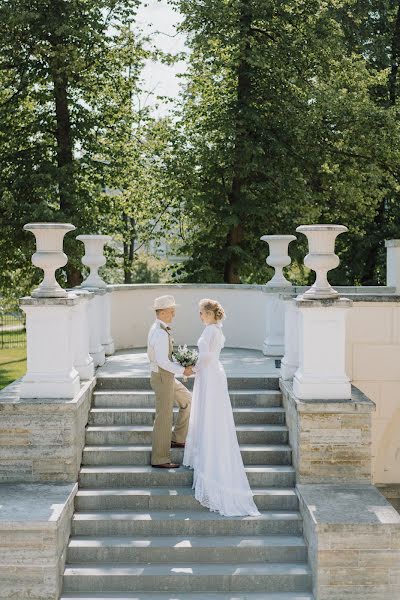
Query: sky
157	17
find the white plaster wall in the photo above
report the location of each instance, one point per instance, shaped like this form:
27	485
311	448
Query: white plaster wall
131	314
373	364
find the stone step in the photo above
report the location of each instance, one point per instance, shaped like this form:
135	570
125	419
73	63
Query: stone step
107	382
178	498
145	398
256	454
191	549
145	416
238	577
186	596
141	434
143	476
181	522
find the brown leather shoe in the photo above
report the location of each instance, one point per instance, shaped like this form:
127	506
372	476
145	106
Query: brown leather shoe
167	466
177	444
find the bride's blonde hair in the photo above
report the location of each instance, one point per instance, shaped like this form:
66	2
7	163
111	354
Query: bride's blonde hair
214	307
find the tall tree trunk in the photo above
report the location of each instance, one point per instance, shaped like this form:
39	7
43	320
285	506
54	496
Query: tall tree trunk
129	247
65	157
395	51
236	233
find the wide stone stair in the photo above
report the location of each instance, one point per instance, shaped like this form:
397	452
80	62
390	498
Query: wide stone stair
138	532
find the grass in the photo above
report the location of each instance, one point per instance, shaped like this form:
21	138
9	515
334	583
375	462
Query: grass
12	364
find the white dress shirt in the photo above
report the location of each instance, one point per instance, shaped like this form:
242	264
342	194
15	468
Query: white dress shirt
158	348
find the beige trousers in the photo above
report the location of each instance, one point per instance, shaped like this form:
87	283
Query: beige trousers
168	390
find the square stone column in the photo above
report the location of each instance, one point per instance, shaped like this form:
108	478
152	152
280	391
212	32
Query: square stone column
393	264
106	338
83	361
50	355
275	321
290	360
322	335
96	325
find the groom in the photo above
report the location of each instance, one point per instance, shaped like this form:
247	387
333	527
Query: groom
167	389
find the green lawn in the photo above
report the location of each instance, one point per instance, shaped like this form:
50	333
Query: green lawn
12	364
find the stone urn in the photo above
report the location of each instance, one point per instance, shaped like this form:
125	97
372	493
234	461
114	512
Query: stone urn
49	256
321	257
94	258
278	257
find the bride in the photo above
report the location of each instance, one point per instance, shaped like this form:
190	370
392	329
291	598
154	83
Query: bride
211	448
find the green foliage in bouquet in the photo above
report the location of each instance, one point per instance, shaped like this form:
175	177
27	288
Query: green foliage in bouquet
185	356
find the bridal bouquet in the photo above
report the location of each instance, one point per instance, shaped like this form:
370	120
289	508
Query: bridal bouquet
185	357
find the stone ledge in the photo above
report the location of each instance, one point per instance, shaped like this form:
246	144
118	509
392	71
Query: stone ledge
69	300
35	522
353	537
358	402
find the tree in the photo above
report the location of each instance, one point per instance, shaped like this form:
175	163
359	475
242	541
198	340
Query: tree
277	113
52	55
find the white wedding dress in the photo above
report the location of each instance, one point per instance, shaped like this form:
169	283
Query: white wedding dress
212	449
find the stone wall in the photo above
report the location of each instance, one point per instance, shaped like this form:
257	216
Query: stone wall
331	440
42	439
35	522
353	537
373	365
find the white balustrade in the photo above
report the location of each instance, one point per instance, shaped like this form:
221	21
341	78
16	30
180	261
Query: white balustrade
101	318
83	361
274	317
290	360
96	312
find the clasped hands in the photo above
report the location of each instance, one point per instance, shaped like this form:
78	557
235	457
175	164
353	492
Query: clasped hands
188	371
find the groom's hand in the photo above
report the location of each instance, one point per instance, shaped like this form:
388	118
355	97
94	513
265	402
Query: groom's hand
188	371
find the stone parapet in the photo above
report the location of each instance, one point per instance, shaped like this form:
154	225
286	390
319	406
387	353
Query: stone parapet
353	538
330	440
41	439
35	523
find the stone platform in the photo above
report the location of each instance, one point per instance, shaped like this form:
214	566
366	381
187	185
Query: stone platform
238	362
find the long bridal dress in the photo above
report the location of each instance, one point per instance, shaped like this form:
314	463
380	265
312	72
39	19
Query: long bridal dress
212	449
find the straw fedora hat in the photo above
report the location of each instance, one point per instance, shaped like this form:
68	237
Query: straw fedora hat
164	302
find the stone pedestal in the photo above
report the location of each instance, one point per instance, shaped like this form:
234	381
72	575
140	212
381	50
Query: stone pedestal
106	338
290	360
393	264
275	315
353	539
50	357
96	326
322	335
330	439
83	361
35	525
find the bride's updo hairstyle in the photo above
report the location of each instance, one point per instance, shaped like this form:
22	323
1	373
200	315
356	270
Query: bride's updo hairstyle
212	306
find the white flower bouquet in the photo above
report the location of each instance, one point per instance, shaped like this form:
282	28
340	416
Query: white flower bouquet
185	357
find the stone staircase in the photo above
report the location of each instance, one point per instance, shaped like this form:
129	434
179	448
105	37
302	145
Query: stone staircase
138	533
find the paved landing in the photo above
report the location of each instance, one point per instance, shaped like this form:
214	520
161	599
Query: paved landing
238	362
